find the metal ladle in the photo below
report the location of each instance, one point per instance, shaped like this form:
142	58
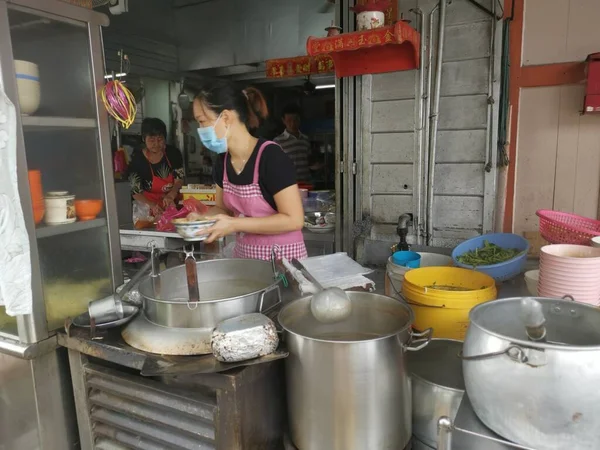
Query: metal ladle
327	305
534	320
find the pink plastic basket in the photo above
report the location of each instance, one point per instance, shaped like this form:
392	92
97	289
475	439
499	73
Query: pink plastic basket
565	228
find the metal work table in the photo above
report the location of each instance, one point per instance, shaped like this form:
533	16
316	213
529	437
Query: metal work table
143	240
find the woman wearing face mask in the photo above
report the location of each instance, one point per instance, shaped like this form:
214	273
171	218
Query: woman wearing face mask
257	195
156	172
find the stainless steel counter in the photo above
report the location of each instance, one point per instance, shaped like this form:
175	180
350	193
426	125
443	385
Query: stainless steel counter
143	240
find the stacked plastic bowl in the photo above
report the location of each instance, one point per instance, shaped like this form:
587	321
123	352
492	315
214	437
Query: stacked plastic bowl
570	270
28	86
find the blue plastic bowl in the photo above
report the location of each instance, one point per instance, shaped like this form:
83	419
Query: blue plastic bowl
407	259
502	271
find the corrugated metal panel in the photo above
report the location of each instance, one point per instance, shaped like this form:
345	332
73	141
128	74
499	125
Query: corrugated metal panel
393	86
393	147
386	207
393	115
461	181
136	413
461	146
392	178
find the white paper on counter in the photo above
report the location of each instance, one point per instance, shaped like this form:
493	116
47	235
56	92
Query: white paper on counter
15	261
335	270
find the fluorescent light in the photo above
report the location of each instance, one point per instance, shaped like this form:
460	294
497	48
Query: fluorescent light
118	75
325	86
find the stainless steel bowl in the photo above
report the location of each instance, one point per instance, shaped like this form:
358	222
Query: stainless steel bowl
319	218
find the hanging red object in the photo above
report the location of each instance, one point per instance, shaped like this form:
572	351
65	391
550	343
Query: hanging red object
592	88
386	49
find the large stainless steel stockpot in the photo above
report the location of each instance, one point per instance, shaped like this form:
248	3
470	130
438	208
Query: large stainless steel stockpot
228	288
437	386
540	395
347	382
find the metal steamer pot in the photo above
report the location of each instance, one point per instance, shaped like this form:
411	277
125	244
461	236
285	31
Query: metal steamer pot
347	382
228	288
437	387
540	395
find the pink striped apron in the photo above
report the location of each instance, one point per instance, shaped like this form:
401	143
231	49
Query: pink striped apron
248	201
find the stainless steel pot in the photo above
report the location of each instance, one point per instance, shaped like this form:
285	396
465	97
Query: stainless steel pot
227	287
540	395
437	386
347	382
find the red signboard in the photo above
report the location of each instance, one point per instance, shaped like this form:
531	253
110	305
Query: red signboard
299	66
386	49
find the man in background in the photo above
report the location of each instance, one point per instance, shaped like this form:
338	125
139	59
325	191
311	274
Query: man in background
295	144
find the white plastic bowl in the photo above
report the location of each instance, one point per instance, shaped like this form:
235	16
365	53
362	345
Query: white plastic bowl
193	231
28	86
531	280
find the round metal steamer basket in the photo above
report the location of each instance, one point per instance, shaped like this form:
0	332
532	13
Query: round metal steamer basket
437	387
540	395
228	288
347	382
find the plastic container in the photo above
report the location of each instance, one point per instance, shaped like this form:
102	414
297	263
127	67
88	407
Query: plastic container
570	270
408	259
37	195
60	209
88	209
531	280
28	86
564	228
446	311
395	274
205	193
502	271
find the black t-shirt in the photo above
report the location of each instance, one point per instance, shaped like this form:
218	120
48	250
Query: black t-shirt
140	175
276	171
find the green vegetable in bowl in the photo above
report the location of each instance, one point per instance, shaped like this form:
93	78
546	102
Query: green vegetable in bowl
487	255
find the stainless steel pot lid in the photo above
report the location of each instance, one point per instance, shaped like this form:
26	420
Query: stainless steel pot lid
574	325
439	364
373	317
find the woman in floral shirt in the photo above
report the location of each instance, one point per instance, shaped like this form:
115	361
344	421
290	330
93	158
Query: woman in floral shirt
156	172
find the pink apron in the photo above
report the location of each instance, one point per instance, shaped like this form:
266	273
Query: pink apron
248	201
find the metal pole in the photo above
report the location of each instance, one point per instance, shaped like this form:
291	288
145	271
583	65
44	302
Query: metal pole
445	427
419	220
434	118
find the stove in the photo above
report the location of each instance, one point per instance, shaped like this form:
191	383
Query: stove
117	407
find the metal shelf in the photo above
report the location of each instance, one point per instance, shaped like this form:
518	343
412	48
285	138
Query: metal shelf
44	231
48	123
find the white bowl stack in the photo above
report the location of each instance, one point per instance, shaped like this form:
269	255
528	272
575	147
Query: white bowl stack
28	86
570	270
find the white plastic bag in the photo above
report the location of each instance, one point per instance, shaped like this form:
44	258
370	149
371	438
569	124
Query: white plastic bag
142	216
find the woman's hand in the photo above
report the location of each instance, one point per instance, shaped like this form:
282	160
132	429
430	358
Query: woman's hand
225	225
168	200
156	210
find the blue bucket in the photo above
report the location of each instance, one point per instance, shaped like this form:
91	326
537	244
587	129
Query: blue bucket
407	259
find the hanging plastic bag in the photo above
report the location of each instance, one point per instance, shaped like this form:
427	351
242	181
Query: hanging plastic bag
195	206
142	216
164	221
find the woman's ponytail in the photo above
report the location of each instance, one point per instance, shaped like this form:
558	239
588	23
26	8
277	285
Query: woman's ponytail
257	107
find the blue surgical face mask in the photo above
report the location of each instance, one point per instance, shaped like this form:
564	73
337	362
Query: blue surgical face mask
208	137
